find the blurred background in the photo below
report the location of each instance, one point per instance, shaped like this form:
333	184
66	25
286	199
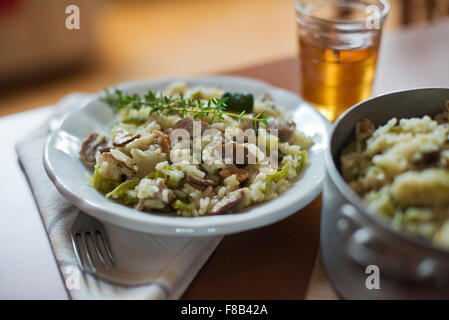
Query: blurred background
118	40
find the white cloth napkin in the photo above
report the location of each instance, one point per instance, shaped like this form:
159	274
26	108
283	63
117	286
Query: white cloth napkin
171	263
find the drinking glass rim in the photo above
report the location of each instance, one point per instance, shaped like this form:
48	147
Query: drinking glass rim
383	14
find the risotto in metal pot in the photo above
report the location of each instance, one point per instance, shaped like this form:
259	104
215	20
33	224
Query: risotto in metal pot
401	170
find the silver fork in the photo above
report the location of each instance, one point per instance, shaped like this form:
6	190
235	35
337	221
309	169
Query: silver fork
91	244
93	252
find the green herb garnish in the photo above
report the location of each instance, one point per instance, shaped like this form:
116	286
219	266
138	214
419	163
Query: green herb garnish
162	104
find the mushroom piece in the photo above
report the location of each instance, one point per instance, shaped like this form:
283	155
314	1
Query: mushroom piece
149	203
95	141
229	202
285	128
121	140
163	140
164	194
108	156
365	125
187	124
239	154
161	197
240	174
428	158
200	181
364	129
140	205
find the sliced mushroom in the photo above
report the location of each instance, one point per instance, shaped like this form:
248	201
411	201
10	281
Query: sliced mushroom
121	140
149	203
142	143
164	194
103	149
187	124
108	156
285	128
239	154
428	158
240	174
95	141
140	205
200	181
365	125
229	202
364	129
158	199
163	140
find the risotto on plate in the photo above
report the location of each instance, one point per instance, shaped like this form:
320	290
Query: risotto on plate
194	151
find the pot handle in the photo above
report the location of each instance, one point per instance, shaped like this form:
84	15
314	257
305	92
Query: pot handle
365	248
362	248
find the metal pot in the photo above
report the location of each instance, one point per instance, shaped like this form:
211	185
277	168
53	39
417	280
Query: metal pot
352	239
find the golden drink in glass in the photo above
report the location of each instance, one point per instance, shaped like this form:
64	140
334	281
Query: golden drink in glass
338	48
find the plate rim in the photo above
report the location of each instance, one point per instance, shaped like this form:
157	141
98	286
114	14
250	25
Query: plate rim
181	226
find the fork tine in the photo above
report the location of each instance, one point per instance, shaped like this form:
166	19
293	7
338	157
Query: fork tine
98	250
87	250
77	251
107	245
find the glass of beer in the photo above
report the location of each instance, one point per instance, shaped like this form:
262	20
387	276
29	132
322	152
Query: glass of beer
338	48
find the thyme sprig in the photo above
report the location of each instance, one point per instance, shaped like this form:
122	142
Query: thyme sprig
161	104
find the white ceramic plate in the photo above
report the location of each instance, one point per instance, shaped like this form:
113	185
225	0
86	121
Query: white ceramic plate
67	172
